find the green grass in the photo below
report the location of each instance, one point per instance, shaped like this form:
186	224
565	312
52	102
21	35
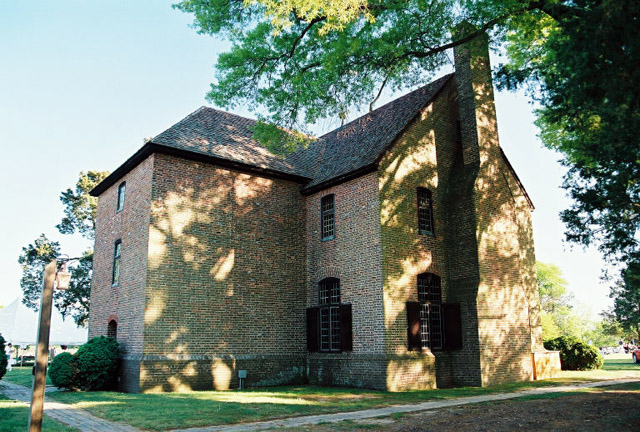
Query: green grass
14	416
192	409
22	376
634	387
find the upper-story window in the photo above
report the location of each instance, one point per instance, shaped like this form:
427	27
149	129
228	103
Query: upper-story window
329	301
430	298
425	212
117	252
328	217
121	192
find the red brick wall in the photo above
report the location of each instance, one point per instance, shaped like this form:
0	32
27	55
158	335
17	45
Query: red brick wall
126	300
354	257
506	293
422	157
225	277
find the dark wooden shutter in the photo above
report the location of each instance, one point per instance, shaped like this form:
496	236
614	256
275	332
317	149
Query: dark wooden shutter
413	326
313	321
346	332
452	326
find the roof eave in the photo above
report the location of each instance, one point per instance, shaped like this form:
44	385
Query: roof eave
515	176
367	169
151	147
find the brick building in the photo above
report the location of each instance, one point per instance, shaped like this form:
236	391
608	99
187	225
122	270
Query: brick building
394	253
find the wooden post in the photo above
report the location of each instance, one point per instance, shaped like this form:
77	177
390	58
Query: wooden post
42	349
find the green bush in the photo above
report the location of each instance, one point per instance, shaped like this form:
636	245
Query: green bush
62	371
575	354
96	364
3	358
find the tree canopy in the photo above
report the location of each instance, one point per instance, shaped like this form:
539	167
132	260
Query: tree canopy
626	300
295	62
80	216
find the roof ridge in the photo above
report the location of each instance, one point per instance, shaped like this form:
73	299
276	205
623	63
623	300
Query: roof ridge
391	102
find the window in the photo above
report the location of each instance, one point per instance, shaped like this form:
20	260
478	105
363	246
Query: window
430	298
112	329
329	300
329	324
328	218
425	212
117	251
121	190
432	324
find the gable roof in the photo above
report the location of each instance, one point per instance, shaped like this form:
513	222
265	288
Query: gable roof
211	132
227	139
360	143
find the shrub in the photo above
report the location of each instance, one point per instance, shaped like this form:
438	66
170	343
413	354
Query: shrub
62	371
3	358
96	363
575	354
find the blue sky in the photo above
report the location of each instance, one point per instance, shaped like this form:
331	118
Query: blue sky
82	83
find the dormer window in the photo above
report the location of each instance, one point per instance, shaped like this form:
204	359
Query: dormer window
121	192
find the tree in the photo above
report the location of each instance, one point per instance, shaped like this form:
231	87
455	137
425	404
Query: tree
79	207
301	61
558	315
74	301
80	215
626	300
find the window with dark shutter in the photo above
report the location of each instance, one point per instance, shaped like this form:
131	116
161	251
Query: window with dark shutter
452	326
121	193
327	217
312	329
431	319
413	326
346	336
329	300
425	212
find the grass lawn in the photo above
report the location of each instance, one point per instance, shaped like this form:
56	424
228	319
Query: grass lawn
206	408
190	409
22	376
14	416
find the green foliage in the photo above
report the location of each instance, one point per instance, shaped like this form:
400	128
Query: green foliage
33	259
626	300
3	358
80	215
62	370
301	61
552	287
96	363
79	207
575	354
74	301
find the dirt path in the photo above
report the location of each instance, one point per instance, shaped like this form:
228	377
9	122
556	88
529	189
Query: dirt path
602	409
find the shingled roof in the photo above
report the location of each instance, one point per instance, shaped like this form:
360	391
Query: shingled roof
227	136
227	139
359	144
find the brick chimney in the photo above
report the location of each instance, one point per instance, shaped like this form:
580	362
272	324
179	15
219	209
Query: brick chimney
478	126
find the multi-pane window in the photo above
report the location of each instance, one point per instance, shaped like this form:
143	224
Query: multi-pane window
329	300
430	298
117	252
121	191
328	217
425	211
